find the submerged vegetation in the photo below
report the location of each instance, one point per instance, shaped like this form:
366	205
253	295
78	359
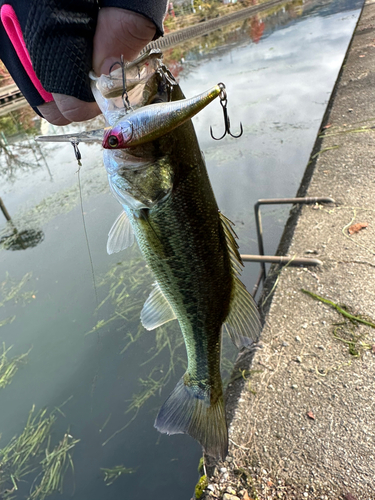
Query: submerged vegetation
54	467
110	475
24	454
9	367
11	290
7	321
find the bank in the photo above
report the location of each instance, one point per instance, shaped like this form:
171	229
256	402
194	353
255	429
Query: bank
301	408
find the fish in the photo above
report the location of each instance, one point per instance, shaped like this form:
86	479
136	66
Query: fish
157	172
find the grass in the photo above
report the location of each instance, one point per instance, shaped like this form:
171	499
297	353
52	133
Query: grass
110	475
345	332
54	467
11	290
9	367
23	456
17	458
341	309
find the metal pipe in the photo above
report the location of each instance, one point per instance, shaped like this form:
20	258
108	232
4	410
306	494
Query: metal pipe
256	286
278	259
309	200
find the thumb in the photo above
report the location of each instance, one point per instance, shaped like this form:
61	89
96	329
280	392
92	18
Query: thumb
119	32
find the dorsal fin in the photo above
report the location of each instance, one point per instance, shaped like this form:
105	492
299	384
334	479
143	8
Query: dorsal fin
242	323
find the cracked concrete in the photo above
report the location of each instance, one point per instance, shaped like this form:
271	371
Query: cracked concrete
302	408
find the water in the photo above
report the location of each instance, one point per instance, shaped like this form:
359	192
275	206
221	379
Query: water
278	88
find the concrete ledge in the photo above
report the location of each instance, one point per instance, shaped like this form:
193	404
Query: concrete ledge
302	411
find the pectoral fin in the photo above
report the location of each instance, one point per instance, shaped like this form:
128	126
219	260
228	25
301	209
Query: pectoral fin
156	310
121	235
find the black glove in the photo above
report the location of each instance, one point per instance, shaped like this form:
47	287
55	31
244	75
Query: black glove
57	37
47	45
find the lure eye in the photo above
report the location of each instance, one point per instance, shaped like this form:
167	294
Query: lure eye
113	141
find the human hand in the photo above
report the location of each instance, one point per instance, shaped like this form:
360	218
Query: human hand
118	32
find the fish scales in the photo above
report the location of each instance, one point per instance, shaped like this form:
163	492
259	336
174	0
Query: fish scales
187	252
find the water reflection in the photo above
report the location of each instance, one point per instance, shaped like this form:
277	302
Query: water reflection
12	239
17	144
107	370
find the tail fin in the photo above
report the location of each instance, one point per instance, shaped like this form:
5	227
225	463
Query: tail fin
188	411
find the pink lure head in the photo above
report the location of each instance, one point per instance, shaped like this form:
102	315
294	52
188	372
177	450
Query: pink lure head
118	137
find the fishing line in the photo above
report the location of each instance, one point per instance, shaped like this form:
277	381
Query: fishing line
86	235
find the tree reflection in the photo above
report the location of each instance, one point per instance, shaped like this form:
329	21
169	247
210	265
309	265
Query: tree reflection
17	131
18	240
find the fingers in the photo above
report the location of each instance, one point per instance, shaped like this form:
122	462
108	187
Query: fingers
66	109
74	109
119	32
52	114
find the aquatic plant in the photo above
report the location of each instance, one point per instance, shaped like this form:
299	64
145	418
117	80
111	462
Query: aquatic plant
17	457
9	367
110	475
54	468
126	284
22	456
201	486
11	290
345	332
7	321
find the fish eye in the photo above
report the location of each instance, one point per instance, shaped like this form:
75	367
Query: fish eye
112	141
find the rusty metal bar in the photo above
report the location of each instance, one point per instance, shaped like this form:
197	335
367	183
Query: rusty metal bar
278	259
258	222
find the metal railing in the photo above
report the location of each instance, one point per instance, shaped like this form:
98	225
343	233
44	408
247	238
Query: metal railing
284	260
202	28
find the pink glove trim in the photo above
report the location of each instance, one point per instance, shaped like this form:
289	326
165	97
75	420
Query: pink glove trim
13	29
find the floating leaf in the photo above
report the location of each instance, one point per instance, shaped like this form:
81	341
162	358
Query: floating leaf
355	228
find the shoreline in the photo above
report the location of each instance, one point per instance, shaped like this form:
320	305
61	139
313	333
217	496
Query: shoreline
301	408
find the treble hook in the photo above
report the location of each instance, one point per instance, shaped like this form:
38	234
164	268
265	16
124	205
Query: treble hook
224	104
124	96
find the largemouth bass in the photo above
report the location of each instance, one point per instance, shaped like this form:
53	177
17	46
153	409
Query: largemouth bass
157	173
